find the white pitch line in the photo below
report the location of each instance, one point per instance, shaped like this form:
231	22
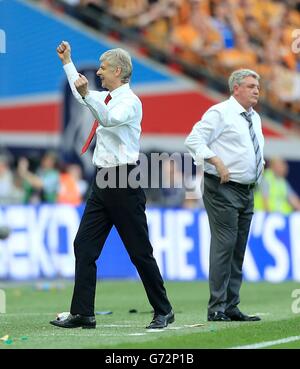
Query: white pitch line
116	326
267	343
82	333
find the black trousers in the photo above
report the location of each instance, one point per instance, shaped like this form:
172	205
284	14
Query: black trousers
125	209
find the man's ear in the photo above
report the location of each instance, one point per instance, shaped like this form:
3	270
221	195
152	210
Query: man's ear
118	71
235	87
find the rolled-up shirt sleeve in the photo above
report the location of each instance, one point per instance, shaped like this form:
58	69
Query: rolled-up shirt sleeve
203	134
72	76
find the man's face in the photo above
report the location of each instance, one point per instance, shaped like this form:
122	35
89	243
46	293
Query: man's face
108	75
247	93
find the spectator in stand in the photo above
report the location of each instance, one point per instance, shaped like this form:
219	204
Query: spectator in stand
127	9
223	20
75	171
194	35
241	55
275	194
6	180
72	187
45	183
68	192
10	190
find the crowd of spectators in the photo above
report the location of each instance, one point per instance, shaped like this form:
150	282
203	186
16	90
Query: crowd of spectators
221	36
225	35
47	181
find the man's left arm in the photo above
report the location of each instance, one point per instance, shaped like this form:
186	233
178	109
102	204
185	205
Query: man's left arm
118	115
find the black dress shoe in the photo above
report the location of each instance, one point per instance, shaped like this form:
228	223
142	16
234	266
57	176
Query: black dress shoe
238	316
75	321
218	316
161	321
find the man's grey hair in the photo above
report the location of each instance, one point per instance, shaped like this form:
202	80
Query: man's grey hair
238	76
119	58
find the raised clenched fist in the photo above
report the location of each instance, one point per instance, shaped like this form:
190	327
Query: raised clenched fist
81	85
64	52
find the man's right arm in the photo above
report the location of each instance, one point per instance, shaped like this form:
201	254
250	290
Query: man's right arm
64	53
72	76
203	134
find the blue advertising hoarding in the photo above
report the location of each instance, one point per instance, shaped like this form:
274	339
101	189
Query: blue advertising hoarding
41	245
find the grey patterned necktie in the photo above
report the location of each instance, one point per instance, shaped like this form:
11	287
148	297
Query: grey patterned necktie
258	156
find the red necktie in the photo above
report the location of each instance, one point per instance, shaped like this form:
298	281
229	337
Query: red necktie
93	130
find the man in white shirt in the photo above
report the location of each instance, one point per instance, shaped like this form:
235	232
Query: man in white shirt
117	126
229	140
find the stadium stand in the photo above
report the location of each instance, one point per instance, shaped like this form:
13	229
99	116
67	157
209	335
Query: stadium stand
209	38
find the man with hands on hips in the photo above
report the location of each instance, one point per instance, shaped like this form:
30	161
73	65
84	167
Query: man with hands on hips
117	127
229	140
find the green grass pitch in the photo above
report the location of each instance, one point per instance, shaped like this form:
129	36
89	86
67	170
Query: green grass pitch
29	309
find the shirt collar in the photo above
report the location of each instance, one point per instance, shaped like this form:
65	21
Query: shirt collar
120	90
239	108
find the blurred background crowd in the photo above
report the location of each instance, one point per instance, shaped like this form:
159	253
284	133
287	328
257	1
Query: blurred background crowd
215	36
50	181
45	180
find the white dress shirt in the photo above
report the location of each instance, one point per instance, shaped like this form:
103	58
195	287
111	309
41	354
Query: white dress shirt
118	133
224	132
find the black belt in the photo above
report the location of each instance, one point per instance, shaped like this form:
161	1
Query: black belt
232	183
